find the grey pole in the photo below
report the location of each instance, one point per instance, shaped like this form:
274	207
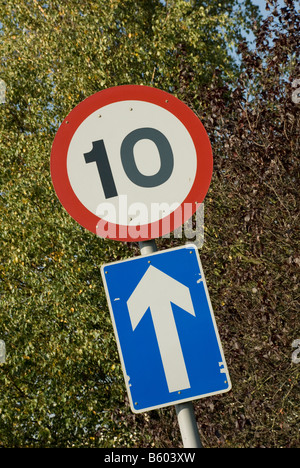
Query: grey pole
148	247
185	411
188	425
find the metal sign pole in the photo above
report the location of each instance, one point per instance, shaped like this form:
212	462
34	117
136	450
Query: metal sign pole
188	425
185	411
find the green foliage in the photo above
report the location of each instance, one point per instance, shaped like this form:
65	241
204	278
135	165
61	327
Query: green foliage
62	385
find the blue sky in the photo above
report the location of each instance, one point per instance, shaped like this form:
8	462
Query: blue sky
262	4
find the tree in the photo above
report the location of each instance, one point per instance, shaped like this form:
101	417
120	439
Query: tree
252	234
61	385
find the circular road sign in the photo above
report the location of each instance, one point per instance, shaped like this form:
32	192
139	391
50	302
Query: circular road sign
131	163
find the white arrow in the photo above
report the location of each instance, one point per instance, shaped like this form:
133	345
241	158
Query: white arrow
157	290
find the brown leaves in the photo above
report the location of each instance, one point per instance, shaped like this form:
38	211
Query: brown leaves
253	206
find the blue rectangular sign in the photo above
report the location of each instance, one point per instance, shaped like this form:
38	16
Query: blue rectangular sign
165	328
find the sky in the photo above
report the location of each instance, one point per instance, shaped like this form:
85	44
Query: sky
262	3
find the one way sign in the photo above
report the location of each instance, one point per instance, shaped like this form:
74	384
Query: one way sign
165	328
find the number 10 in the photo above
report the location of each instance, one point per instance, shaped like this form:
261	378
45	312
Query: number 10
99	155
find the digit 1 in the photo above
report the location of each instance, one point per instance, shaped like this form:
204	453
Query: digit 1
99	155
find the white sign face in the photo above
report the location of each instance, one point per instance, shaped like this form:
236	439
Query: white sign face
112	125
131	163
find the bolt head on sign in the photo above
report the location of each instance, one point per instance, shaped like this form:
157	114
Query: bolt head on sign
131	163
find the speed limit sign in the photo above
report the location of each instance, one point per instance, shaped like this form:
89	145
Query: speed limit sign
131	163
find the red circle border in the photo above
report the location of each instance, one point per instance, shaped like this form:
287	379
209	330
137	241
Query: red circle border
64	135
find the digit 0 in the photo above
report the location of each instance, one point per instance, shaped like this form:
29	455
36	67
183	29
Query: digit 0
165	154
99	155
